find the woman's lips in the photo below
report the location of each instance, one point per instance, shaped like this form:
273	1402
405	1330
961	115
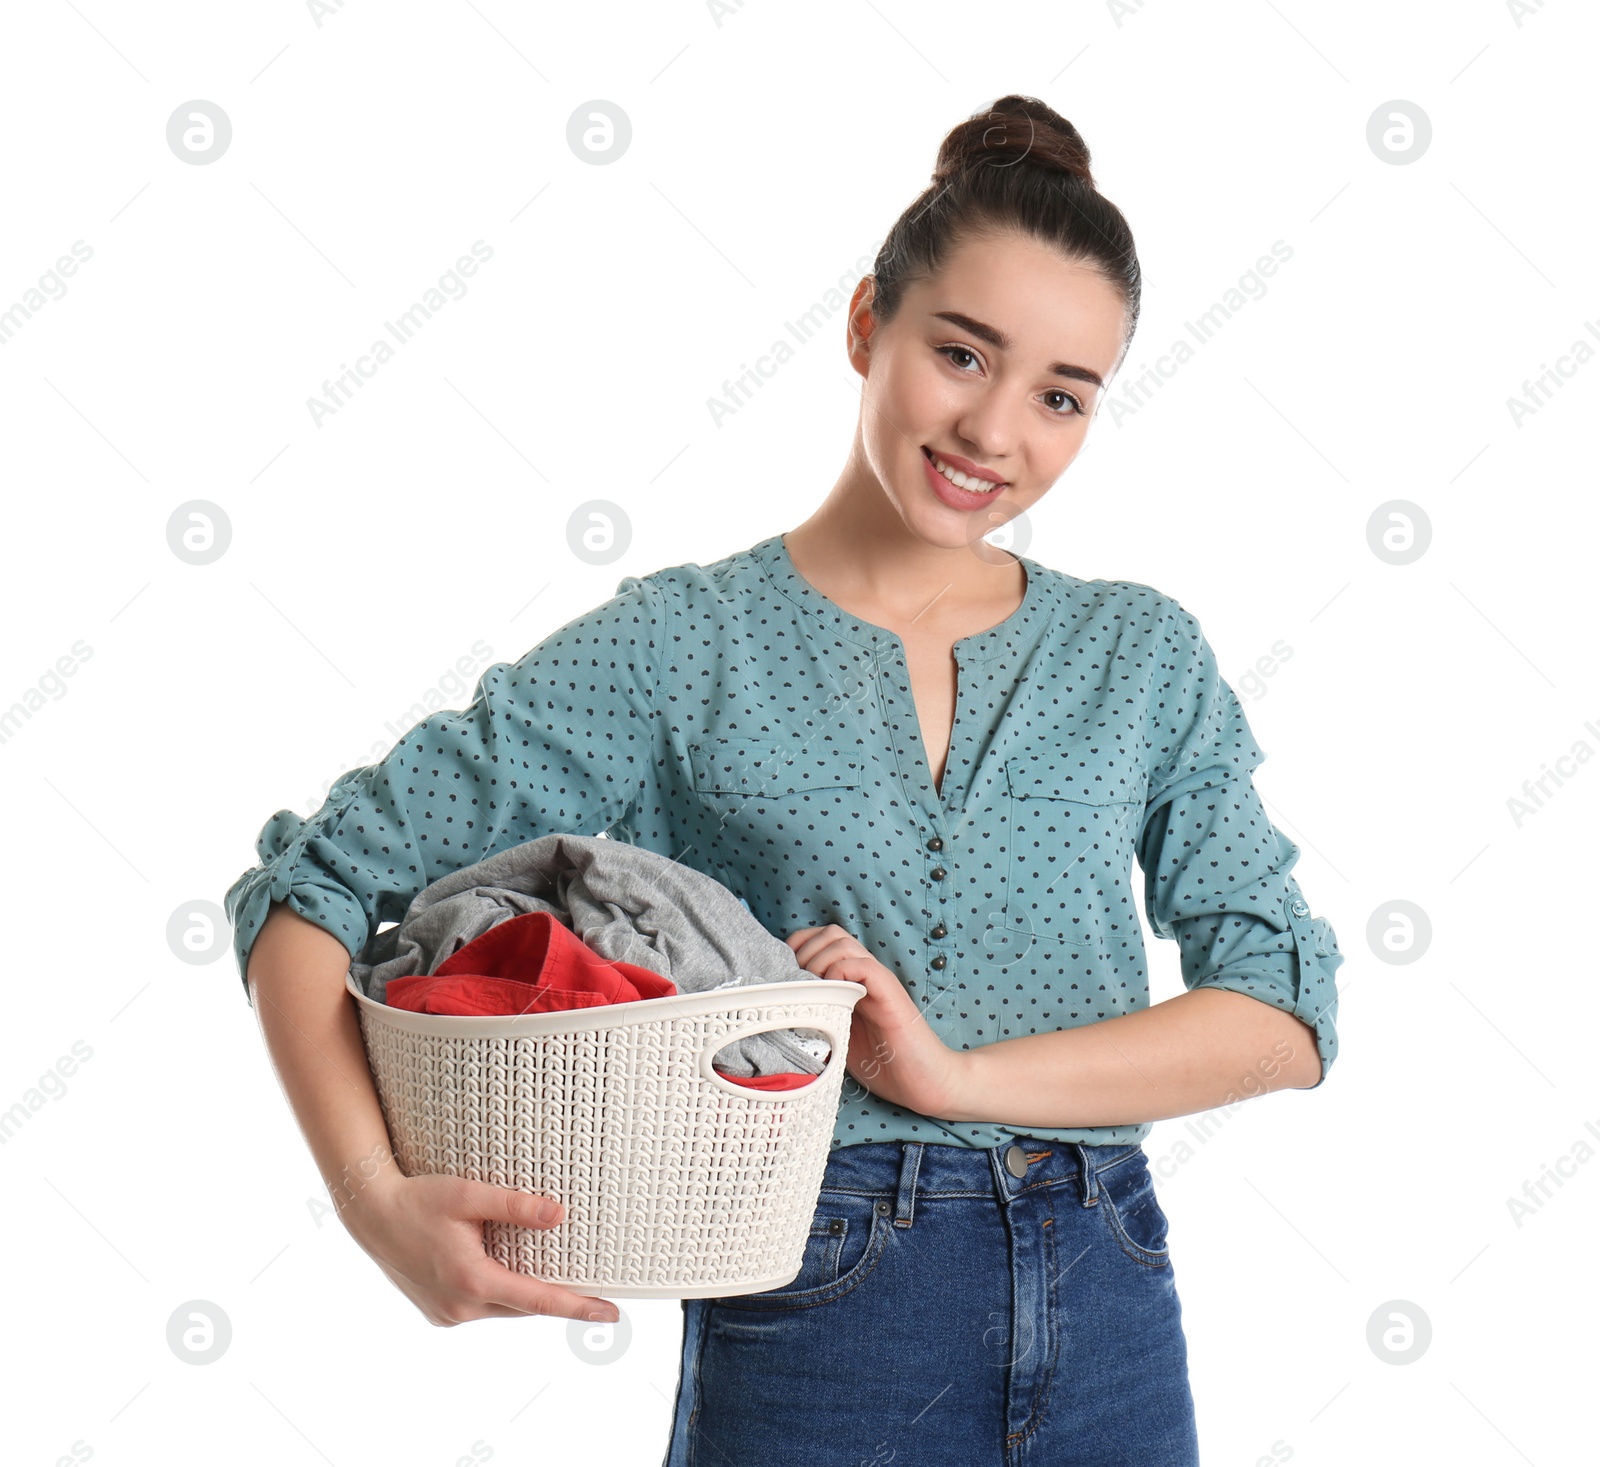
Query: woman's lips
950	494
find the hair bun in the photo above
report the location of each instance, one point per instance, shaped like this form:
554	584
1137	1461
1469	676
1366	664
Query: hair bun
1014	130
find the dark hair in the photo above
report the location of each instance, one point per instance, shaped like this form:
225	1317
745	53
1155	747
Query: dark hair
1018	165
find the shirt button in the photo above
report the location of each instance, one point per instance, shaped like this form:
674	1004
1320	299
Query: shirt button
936	844
1016	1160
1298	907
938	932
938	962
938	873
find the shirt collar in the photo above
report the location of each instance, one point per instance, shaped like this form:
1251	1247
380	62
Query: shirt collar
1021	627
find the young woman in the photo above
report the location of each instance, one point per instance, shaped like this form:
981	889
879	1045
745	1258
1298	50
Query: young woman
932	765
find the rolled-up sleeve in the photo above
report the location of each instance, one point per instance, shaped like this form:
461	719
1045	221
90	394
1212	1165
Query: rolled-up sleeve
1218	876
560	741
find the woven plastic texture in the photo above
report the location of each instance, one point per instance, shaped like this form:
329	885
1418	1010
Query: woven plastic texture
677	1183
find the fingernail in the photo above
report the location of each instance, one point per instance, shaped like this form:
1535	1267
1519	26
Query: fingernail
600	1316
547	1211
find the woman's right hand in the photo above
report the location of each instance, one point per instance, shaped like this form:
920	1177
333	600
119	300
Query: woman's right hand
426	1233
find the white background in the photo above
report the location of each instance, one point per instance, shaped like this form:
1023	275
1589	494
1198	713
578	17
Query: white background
769	153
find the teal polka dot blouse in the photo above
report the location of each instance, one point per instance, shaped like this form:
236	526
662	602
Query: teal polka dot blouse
732	717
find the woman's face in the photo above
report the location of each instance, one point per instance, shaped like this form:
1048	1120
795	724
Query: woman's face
998	363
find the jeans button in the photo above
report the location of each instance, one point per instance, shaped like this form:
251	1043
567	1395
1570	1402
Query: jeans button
1016	1160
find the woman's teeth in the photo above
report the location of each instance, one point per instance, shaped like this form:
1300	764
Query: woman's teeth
963	481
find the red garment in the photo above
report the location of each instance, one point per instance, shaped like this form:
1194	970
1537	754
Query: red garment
534	964
783	1080
530	964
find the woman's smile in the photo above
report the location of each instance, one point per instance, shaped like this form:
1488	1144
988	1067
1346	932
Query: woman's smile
952	493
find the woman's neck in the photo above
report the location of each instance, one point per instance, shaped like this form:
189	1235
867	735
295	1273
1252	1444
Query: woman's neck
893	579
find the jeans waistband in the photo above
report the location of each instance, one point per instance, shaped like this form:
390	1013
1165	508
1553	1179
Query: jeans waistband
903	1171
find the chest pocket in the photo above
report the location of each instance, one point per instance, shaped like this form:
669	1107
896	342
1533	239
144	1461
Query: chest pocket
764	804
727	770
1072	836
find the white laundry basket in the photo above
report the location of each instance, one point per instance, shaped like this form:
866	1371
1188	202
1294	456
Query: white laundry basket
677	1183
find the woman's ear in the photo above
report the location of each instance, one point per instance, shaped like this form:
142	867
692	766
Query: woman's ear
860	324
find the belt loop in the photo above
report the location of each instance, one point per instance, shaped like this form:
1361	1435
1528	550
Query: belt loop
910	1163
1091	1184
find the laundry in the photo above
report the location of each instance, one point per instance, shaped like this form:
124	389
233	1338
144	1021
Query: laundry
629	920
528	965
533	965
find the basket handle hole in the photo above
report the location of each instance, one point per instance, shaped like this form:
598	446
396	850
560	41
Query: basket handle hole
816	1041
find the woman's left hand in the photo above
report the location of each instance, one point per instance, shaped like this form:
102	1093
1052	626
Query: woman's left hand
894	1052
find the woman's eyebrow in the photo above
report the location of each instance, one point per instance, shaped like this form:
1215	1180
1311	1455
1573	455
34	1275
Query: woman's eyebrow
997	338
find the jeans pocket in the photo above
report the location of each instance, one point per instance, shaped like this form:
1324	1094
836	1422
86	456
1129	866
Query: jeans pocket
847	1238
1132	1213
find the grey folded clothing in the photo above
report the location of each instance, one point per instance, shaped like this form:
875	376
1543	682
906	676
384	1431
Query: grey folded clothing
627	904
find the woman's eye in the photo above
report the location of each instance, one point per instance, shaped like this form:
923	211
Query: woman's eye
949	350
1077	407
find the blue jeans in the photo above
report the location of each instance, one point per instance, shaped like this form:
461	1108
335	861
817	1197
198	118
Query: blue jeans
951	1313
